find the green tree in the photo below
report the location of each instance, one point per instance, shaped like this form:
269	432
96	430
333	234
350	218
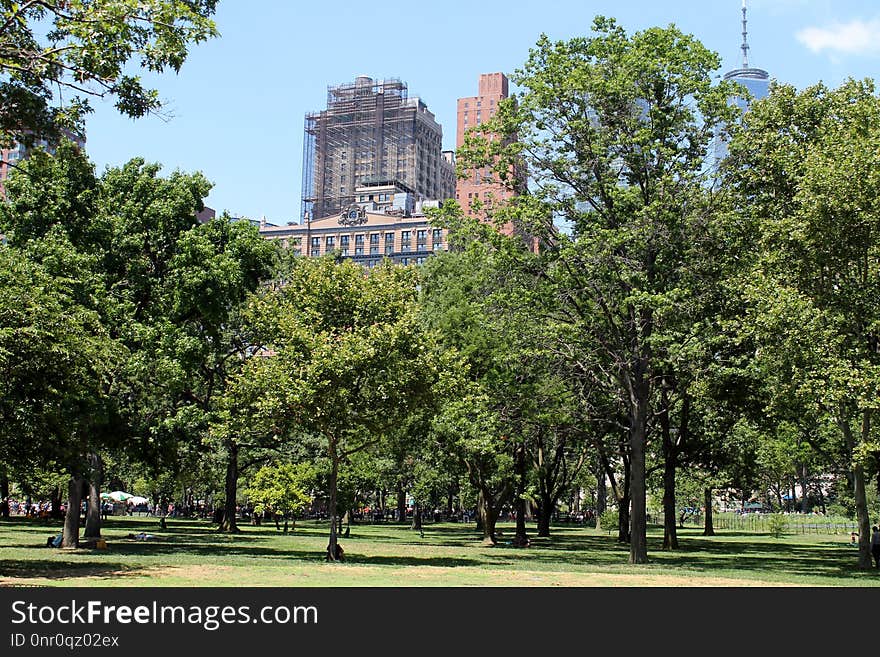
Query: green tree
345	361
281	489
56	55
165	289
614	130
806	167
57	360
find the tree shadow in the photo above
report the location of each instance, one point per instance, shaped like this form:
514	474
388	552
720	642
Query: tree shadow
47	569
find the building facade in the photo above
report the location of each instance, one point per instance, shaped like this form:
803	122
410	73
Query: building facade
384	221
371	133
480	190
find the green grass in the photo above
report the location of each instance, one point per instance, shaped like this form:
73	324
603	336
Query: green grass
191	553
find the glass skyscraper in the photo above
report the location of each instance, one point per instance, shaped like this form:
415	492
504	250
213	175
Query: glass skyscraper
755	80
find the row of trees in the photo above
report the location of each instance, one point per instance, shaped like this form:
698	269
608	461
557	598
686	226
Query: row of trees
680	324
696	309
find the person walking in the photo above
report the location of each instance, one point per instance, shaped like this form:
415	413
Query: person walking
875	545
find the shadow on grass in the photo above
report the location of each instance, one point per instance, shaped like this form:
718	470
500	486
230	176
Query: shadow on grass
438	562
46	569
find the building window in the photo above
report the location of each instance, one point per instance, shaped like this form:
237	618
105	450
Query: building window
404	236
331	241
389	238
374	238
359	239
343	241
404	261
345	252
437	235
358	250
374	250
316	241
421	236
389	250
316	253
405	247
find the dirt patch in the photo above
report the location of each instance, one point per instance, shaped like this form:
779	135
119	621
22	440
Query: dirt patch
204	575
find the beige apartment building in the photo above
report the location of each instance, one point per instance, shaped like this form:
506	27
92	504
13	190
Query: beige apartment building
384	221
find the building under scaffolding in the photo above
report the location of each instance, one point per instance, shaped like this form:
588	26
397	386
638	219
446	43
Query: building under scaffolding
372	133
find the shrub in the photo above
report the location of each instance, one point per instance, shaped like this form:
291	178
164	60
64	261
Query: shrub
778	525
609	520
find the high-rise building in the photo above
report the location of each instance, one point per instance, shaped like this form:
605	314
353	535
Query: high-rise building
371	134
755	80
480	187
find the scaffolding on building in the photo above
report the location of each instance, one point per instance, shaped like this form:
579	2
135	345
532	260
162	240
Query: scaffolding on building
371	130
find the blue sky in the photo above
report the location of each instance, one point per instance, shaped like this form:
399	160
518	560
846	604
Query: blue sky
239	102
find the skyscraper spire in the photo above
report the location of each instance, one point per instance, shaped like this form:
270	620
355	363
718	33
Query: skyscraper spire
745	45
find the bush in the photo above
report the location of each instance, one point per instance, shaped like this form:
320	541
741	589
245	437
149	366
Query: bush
609	520
778	525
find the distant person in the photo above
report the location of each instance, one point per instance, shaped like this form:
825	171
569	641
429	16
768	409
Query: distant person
854	539
875	546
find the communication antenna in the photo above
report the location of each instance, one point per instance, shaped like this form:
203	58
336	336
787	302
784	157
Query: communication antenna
745	45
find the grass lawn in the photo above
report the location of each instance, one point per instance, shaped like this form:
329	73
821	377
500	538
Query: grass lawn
191	553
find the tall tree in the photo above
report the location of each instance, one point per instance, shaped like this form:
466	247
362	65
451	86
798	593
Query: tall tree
614	130
345	361
806	167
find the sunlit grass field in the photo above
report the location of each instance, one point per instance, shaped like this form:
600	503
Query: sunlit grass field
190	553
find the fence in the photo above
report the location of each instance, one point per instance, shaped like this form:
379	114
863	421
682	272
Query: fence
760	523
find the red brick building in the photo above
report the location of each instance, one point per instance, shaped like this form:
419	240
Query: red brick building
480	184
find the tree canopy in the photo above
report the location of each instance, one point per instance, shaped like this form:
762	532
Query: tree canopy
58	55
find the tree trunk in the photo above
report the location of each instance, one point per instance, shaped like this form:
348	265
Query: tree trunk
856	476
670	457
229	524
333	553
805	496
546	501
623	520
57	498
521	538
70	536
708	526
489	516
601	493
545	512
670	532
93	512
638	542
624	501
417	516
4	494
401	505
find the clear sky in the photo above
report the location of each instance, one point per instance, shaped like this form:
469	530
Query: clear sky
239	102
